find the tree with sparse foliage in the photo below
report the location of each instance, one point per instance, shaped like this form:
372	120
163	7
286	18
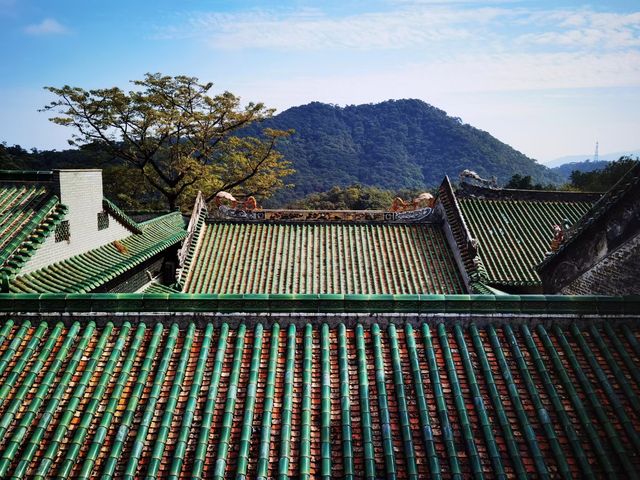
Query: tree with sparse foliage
177	136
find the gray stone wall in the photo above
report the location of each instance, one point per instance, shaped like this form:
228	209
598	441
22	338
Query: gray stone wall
616	274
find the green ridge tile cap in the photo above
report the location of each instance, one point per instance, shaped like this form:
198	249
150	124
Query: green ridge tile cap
533	303
508	303
482	303
632	304
457	303
431	303
79	302
192	303
136	302
52	302
25	302
406	303
155	301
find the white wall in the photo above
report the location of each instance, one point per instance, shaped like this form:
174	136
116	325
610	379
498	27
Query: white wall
81	192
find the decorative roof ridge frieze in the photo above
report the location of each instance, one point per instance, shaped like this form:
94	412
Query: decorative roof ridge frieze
422	215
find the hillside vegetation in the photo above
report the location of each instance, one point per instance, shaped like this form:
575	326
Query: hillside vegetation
394	144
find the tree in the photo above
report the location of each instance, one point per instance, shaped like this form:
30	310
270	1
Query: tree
177	136
603	179
353	197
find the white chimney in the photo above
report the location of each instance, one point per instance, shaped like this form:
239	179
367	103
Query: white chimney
81	192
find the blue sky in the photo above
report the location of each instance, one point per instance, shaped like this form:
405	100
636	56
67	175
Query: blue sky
549	78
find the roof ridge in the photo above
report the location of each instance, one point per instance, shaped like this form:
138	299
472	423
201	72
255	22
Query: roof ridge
120	215
198	218
473	304
472	261
159	218
26	175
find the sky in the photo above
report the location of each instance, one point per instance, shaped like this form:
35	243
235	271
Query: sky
550	78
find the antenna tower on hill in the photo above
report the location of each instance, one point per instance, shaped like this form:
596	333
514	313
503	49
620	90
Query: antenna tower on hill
595	156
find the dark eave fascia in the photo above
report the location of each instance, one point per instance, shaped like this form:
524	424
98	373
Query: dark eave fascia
330	303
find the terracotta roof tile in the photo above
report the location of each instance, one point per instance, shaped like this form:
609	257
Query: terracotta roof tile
492	400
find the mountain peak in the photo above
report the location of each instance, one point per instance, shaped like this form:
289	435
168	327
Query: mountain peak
400	143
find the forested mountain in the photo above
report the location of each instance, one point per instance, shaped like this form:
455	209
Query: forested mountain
566	169
394	144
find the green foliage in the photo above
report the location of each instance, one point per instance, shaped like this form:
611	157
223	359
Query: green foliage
176	136
603	179
353	197
521	182
391	145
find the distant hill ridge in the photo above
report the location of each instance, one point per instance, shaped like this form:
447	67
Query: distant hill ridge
566	169
394	144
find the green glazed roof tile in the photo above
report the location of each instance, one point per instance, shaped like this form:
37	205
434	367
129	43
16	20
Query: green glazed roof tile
88	271
321	258
28	214
514	235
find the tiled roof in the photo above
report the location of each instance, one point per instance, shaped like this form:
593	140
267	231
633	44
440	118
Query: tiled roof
90	270
122	217
27	214
255	401
156	287
322	258
514	235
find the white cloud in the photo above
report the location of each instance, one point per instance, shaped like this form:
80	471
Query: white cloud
48	26
311	29
585	29
463	74
412	24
